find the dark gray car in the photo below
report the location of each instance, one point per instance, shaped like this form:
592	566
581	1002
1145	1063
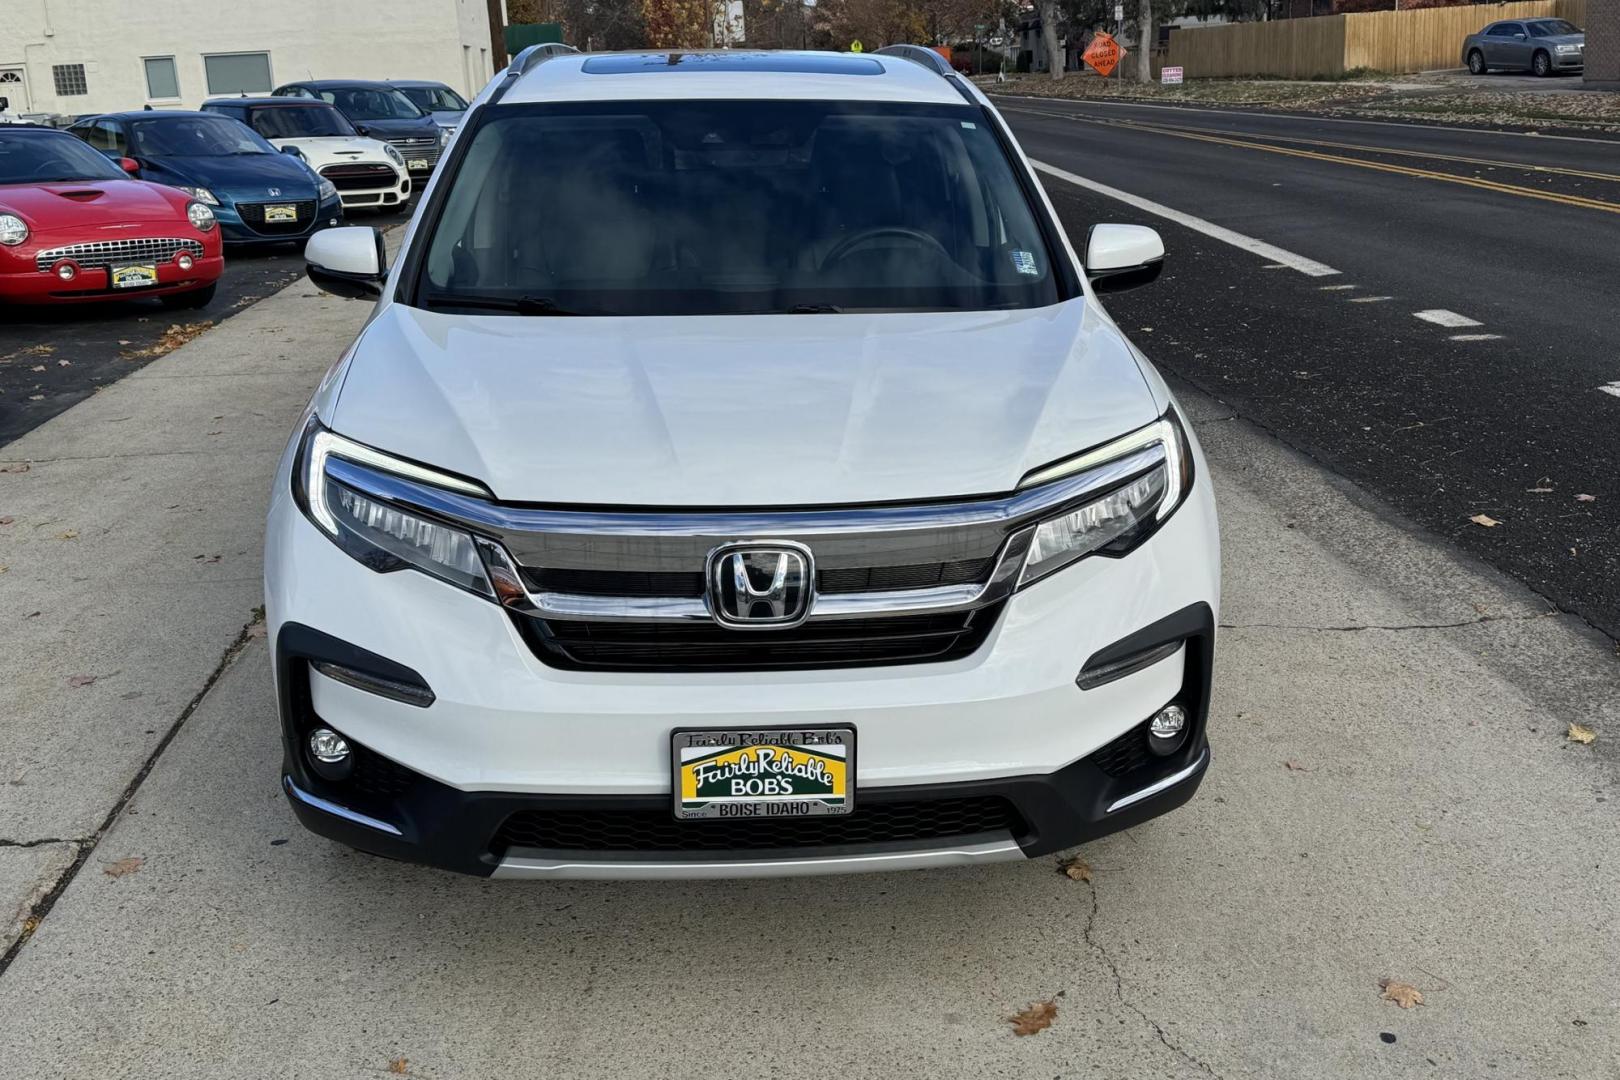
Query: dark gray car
1542	46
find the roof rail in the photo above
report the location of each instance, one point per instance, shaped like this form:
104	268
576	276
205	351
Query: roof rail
527	61
919	54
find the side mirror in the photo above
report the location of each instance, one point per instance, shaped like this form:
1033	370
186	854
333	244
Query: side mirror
1120	257
293	151
130	165
348	262
362	129
1518	37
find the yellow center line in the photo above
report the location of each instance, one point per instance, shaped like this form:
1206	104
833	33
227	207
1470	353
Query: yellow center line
1489	162
1580	201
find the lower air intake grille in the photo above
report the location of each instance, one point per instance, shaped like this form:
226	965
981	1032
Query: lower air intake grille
1125	754
653	829
253	217
827	643
360	176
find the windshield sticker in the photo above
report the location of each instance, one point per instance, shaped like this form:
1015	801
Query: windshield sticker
1024	263
970	125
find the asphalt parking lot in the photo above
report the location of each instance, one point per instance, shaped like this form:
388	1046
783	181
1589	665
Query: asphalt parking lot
1393	798
51	358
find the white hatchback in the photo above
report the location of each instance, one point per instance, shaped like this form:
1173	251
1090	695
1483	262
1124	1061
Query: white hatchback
368	173
738	476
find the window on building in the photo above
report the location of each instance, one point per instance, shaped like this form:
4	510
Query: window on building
69	80
162	81
237	73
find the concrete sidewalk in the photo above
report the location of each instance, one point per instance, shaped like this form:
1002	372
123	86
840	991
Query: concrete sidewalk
1392	796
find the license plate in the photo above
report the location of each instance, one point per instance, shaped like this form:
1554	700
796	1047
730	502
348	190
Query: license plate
280	213
134	277
417	163
770	773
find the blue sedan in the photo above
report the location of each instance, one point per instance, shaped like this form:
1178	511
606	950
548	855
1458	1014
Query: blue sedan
257	193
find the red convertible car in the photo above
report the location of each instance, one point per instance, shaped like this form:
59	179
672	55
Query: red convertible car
73	226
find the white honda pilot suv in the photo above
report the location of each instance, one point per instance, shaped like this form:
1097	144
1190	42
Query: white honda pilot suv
738	476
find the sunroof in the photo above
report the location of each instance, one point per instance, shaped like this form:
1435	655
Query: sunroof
830	64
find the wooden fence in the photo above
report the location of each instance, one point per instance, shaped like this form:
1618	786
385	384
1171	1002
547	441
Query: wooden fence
1392	41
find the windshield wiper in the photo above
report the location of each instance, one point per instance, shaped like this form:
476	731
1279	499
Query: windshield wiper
815	309
518	305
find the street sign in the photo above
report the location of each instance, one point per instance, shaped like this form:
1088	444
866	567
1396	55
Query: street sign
1103	54
855	46
1119	13
1170	76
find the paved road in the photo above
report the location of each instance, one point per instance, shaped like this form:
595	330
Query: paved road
53	358
1508	406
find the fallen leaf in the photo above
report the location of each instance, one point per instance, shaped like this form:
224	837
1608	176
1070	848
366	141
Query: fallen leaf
123	866
1586	498
64	363
1076	869
125	341
1403	994
1035	1019
16	467
174	337
1539	490
7	520
399	1066
37	367
71	534
36	397
1580	733
82	680
1485	520
1293	765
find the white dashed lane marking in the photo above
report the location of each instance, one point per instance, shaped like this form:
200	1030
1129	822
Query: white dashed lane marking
1475	337
1611	388
1450	319
1334	288
1369	299
1308	267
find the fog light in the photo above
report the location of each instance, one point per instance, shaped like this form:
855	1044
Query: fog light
329	754
184	261
66	271
1167	730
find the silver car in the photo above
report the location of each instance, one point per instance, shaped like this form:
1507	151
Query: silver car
1542	46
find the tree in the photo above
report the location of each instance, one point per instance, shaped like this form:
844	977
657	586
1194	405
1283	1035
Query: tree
1055	59
1144	41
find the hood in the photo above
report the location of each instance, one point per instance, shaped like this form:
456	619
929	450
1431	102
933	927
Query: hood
449	117
747	410
91	203
335	149
423	128
244	176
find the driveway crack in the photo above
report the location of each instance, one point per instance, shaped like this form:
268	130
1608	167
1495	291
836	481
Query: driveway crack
1384	626
4	843
1119	992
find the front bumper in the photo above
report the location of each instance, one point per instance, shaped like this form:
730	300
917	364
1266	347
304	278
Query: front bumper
328	213
508	735
92	285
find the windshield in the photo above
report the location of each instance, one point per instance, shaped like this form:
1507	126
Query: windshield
37	158
435	98
729	207
194	136
300	122
372	104
1553	28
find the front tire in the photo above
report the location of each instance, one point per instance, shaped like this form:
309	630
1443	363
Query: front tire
196	298
1476	63
1541	64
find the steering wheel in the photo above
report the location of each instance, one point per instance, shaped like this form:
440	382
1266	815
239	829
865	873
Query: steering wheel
850	244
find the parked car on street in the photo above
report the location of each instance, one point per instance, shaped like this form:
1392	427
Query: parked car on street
1542	46
257	193
765	491
434	98
378	110
366	172
75	227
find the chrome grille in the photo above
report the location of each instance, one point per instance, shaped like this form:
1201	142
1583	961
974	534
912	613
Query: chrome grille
100	254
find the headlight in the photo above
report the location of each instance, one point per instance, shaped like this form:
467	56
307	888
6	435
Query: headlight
379	534
13	230
1568	48
202	194
1113	523
201	217
324	190
444	136
393	155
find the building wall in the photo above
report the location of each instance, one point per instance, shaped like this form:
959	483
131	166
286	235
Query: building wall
448	40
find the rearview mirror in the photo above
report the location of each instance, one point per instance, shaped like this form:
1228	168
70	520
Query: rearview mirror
348	262
1120	257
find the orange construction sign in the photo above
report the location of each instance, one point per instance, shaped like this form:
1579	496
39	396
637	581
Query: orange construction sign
1103	54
